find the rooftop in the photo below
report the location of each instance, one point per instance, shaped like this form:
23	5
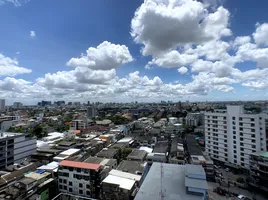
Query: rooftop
137	155
27	180
100	161
70	152
107	153
38	174
125	175
265	154
173	183
82	165
161	147
123	183
133	167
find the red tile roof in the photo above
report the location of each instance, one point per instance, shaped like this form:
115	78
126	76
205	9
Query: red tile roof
81	165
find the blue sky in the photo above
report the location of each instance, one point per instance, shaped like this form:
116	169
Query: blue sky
65	31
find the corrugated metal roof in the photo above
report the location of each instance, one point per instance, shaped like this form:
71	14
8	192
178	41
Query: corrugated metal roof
196	183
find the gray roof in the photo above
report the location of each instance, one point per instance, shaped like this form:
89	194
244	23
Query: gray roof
161	147
96	160
173	184
107	153
196	183
194	170
27	180
137	155
118	145
131	166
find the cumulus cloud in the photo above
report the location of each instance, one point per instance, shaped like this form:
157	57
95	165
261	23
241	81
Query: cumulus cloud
10	67
161	25
32	34
261	34
182	70
105	56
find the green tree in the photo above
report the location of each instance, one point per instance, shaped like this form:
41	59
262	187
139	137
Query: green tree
37	131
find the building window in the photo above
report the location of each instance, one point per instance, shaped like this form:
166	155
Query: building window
234	137
78	170
60	186
254	141
65	187
235	156
233	118
253	146
242	164
242	159
80	185
71	183
234	132
64	181
240	124
88	186
252	119
242	149
240	119
234	142
252	125
60	180
242	154
253	135
88	193
241	129
234	151
235	161
80	191
234	127
241	144
253	130
241	139
234	146
70	189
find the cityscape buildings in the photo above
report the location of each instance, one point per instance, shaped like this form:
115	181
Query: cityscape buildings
2	104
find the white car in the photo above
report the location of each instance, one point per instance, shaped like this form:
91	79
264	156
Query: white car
240	196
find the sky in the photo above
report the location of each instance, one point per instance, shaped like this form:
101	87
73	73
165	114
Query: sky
126	51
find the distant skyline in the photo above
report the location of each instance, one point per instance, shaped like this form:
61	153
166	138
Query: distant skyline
123	51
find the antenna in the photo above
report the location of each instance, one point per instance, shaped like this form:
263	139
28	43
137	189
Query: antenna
162	193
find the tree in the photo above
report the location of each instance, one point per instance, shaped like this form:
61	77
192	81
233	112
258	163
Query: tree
37	131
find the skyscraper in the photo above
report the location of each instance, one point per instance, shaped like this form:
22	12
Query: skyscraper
2	104
91	111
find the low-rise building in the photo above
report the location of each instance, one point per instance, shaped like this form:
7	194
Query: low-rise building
66	154
108	153
119	185
180	182
258	164
137	155
79	178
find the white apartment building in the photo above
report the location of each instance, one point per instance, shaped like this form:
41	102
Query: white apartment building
233	134
15	147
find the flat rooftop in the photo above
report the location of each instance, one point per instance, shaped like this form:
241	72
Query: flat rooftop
130	166
173	184
100	161
123	183
137	154
107	153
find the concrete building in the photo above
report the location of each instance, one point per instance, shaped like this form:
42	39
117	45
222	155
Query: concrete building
120	185
17	105
2	104
174	182
231	135
194	119
258	163
15	147
7	121
137	155
79	178
78	124
91	111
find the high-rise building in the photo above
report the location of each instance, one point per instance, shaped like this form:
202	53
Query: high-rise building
231	135
2	104
17	105
91	111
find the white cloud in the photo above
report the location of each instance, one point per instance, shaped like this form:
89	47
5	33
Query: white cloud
182	70
10	67
173	59
251	52
16	3
261	34
106	56
241	40
162	25
32	34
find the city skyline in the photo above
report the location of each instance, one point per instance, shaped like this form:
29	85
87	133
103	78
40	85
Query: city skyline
198	50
